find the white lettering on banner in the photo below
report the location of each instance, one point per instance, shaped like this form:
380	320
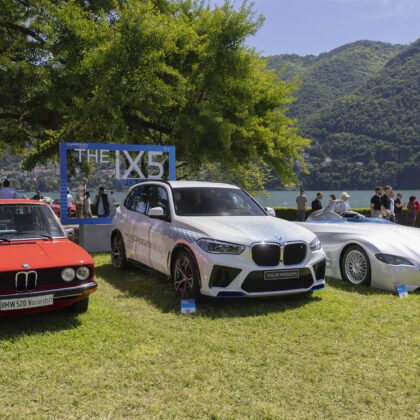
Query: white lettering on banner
155	164
104	156
133	165
94	154
80	154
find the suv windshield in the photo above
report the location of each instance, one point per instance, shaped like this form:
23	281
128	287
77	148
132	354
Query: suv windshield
207	201
23	221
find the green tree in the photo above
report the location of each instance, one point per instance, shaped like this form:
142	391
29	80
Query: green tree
161	72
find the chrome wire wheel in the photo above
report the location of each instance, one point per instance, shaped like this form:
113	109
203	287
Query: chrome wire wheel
118	258
184	276
356	266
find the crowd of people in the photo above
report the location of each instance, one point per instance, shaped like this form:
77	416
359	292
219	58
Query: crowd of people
103	204
383	204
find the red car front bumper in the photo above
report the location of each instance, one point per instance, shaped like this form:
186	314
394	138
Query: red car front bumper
15	304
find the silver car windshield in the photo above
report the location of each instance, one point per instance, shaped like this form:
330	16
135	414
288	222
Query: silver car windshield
207	201
28	221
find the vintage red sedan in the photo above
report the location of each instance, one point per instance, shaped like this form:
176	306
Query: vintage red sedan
40	268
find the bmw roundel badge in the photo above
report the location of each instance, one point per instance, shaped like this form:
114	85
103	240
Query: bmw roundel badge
26	266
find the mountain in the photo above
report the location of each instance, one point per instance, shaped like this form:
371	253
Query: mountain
331	75
360	104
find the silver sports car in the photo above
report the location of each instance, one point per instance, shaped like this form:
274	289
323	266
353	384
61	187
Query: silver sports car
368	251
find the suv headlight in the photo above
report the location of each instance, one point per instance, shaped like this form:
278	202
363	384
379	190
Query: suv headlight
217	247
393	259
315	245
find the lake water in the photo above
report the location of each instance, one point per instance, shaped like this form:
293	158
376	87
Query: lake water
285	198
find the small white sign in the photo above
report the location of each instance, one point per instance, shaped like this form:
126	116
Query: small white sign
188	306
401	290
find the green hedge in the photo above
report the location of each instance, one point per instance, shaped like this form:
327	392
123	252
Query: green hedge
288	213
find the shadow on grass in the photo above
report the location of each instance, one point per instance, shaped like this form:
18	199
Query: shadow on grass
157	290
41	323
361	289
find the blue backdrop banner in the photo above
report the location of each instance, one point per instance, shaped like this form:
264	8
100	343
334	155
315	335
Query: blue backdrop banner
128	163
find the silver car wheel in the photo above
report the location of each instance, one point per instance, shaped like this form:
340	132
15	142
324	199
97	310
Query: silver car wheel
356	266
184	276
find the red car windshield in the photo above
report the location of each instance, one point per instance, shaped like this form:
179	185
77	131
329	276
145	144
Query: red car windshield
23	221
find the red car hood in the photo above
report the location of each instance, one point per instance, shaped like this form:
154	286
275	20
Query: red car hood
41	254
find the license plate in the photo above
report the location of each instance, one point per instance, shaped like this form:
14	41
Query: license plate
26	303
281	274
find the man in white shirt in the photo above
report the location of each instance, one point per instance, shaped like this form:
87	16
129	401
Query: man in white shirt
7	191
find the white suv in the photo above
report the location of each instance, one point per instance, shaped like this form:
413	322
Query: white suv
216	240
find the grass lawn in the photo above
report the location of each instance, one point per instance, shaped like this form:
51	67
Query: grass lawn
341	353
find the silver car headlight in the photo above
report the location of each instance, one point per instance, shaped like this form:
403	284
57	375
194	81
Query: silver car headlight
393	259
68	274
315	245
218	247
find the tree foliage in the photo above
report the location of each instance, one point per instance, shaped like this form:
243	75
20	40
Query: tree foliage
153	71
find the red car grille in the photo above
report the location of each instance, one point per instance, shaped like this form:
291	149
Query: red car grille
30	280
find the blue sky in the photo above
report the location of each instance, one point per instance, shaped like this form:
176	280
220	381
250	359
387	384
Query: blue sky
315	26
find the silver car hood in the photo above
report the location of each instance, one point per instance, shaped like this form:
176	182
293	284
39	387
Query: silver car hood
246	230
387	238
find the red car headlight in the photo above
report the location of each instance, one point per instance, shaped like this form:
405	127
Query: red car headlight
83	273
68	274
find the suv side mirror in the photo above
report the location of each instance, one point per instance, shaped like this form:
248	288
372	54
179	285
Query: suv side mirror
156	212
270	211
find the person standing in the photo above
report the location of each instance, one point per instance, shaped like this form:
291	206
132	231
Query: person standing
375	203
344	205
392	207
301	202
102	203
7	191
386	203
37	196
398	208
69	203
87	208
112	201
316	204
411	210
79	204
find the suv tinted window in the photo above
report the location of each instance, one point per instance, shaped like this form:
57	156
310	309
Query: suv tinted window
158	197
208	201
137	200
